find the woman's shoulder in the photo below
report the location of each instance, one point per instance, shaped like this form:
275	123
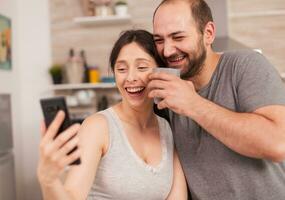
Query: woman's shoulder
95	127
96	120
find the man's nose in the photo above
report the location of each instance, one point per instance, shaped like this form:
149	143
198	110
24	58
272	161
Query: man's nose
169	49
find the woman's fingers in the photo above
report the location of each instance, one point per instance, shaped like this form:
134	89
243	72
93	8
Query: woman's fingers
50	147
68	147
53	128
43	128
72	157
60	158
66	135
63	160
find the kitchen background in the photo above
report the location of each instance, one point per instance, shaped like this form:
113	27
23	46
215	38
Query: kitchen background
43	31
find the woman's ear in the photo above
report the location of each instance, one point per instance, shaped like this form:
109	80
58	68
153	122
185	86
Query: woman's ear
209	33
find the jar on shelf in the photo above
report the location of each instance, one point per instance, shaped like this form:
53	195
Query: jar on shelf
121	8
102	7
94	74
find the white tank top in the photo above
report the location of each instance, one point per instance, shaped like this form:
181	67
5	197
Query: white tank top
123	175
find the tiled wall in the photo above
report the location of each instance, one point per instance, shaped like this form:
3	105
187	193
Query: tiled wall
260	24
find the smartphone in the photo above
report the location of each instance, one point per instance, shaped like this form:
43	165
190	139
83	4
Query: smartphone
50	107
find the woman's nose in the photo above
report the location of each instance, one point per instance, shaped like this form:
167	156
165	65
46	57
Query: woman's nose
132	76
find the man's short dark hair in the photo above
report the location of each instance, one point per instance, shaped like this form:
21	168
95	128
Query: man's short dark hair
200	10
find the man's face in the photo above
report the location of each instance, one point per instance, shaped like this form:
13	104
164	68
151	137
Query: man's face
177	39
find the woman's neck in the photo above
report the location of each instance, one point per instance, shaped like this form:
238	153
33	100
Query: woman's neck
143	117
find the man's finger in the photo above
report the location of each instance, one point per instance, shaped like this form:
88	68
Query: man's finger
157	93
55	125
157	84
161	105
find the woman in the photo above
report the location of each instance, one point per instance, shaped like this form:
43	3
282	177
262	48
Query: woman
126	151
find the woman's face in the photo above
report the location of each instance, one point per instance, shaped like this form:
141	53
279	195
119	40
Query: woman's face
132	68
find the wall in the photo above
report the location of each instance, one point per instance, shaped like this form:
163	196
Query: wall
34	60
220	16
9	84
27	82
260	24
96	40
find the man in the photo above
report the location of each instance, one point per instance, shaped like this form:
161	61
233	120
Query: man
227	111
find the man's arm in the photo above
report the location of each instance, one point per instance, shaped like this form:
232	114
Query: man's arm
260	134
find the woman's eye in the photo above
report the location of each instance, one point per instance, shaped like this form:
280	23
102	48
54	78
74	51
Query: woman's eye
143	68
121	69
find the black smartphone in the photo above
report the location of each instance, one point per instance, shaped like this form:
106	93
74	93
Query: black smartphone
50	107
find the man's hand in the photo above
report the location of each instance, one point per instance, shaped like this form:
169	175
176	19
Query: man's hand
178	95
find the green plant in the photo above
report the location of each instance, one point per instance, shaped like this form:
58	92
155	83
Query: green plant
55	70
56	73
120	2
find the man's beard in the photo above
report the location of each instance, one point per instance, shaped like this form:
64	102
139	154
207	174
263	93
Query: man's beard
196	62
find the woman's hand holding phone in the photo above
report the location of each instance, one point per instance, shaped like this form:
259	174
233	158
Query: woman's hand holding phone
54	151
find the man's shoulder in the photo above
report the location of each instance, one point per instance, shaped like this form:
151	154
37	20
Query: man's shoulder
244	60
242	54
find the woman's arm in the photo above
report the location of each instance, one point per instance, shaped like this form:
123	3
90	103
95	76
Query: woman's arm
93	140
179	186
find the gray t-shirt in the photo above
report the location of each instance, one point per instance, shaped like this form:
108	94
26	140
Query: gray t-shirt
242	82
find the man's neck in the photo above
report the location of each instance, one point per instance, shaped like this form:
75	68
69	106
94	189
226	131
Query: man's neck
203	78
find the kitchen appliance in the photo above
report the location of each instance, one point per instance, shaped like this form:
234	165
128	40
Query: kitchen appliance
7	171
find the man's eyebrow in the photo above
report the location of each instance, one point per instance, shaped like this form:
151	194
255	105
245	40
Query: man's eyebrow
156	35
176	33
171	34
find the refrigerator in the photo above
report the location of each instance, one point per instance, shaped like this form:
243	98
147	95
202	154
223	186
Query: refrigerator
7	168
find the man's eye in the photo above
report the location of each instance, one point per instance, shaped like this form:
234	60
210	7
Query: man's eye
158	41
178	38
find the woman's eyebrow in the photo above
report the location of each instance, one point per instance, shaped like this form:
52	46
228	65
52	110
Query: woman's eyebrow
142	59
120	62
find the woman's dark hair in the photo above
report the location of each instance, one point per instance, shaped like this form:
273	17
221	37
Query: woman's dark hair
143	38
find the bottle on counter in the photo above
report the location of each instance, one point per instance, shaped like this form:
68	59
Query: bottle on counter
85	65
103	104
74	68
